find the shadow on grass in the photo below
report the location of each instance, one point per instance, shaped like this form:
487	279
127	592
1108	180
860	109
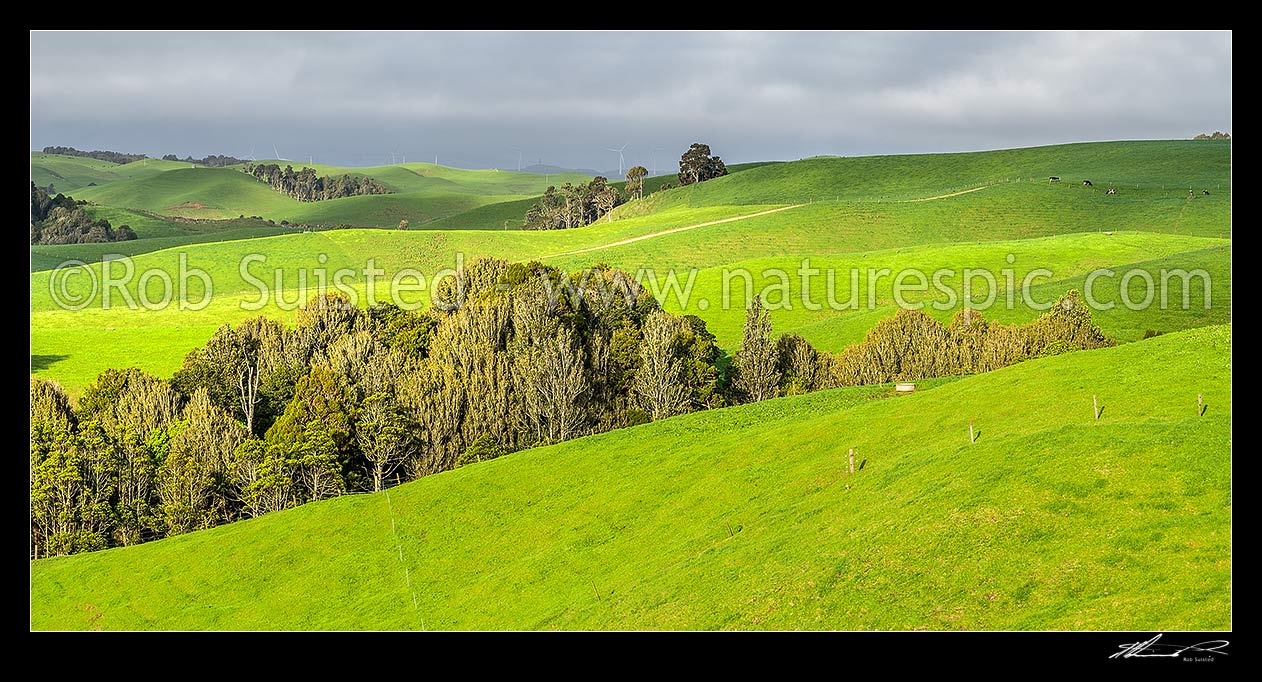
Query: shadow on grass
41	362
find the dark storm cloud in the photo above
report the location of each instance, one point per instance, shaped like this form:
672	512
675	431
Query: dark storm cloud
475	99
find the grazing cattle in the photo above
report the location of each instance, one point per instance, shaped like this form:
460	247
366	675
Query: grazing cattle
1205	192
1191	194
1111	191
1087	183
1054	179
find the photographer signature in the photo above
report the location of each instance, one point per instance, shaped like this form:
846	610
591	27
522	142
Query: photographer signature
1154	649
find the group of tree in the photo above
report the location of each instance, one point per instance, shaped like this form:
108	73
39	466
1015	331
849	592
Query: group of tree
212	160
111	157
265	416
579	205
635	181
1216	135
511	356
61	220
697	165
573	205
305	185
907	346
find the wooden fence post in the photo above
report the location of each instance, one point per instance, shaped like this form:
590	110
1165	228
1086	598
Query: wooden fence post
852	460
971	437
1200	404
1095	406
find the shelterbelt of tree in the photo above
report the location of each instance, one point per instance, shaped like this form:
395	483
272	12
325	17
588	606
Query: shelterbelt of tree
1088	490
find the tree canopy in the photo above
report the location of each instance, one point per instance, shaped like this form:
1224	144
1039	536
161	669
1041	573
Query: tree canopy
61	220
305	185
573	205
697	165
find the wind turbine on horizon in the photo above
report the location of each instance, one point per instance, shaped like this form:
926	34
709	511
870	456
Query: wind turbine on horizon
621	162
277	153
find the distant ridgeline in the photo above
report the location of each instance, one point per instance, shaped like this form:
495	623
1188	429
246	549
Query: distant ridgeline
61	220
305	185
1216	135
111	157
214	160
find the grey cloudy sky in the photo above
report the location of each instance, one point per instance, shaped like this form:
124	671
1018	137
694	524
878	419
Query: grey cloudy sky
476	98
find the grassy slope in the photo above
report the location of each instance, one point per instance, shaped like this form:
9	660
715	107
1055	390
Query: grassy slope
387	210
424	193
69	173
221	193
825	231
154	233
834	331
508	215
1169	165
742	518
997	213
86	342
74	346
501	215
414	177
654	183
1004	213
828	321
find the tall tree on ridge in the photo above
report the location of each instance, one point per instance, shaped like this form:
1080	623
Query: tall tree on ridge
635	181
696	165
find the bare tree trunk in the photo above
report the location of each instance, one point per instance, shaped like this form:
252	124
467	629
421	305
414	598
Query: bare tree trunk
248	383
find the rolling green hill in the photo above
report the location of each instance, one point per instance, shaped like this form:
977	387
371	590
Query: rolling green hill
509	214
424	193
426	177
744	518
386	210
1069	257
154	233
48	257
654	183
212	193
1032	220
69	173
1161	165
78	345
501	215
